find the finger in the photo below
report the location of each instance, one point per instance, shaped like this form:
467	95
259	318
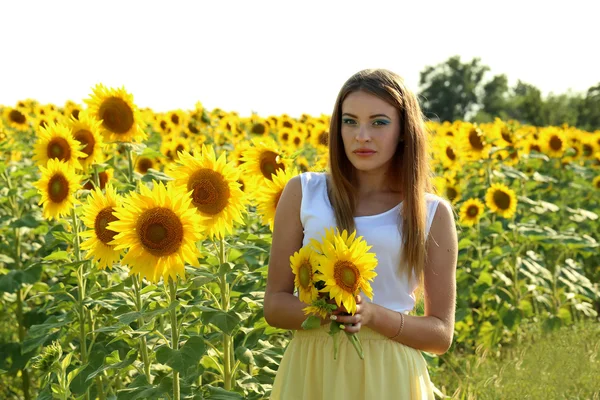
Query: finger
348	319
353	328
358	299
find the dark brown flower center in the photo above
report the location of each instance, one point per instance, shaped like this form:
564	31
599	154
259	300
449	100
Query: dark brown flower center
475	140
324	138
258	129
556	143
116	115
160	231
144	164
472	211
86	138
58	188
103	218
59	148
451	193
269	164
210	191
450	153
17	117
501	200
346	276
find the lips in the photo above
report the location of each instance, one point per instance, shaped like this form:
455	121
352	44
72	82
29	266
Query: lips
364	152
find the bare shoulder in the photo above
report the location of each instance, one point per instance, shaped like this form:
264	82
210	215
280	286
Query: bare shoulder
444	218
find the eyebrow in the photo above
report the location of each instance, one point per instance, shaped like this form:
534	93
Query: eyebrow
372	116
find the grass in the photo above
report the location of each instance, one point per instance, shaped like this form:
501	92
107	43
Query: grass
563	364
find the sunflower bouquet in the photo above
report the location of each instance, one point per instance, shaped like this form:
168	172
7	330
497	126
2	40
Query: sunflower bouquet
330	274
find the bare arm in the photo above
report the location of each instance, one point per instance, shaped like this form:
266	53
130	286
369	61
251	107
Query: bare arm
281	308
434	331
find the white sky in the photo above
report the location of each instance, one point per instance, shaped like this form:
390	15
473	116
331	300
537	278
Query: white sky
281	56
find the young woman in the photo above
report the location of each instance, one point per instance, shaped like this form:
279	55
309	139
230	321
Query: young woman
378	183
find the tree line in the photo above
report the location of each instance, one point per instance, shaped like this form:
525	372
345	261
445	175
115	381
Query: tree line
457	90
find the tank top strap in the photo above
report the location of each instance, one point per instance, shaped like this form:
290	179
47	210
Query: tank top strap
315	201
432	204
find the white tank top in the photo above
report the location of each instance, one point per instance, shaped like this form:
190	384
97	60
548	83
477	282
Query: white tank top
390	288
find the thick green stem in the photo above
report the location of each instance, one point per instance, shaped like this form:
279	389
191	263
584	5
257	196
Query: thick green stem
143	344
227	342
96	177
21	327
81	291
129	165
174	337
100	386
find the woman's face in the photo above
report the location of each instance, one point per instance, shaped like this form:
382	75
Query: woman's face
370	131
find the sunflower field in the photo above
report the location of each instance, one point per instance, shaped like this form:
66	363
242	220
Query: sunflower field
134	245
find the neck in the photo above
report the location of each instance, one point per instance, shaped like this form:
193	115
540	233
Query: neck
370	182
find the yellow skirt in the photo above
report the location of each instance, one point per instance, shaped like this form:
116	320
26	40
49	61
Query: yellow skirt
390	370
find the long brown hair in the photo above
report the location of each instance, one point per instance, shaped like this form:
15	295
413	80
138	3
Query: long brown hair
410	164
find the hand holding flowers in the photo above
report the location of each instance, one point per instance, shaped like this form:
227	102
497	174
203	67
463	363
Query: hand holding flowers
335	270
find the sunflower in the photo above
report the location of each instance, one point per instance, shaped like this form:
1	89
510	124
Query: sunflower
160	228
501	200
302	163
215	192
143	164
448	152
57	187
72	109
56	142
97	214
262	160
104	177
346	267
119	116
284	136
447	188
596	182
16	118
86	131
259	127
554	142
304	265
471	211
319	137
268	195
474	144
297	141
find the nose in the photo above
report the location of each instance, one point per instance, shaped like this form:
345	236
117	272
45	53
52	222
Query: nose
363	134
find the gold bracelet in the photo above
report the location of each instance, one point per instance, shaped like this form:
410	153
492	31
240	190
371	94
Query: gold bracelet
401	327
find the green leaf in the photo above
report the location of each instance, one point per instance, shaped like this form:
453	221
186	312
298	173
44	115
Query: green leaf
225	268
115	362
188	356
464	243
312	322
129	317
12	281
6	259
217	393
58	256
28	221
227	322
244	355
486	278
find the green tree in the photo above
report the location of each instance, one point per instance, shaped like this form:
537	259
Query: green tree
562	109
526	104
589	109
495	100
449	90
